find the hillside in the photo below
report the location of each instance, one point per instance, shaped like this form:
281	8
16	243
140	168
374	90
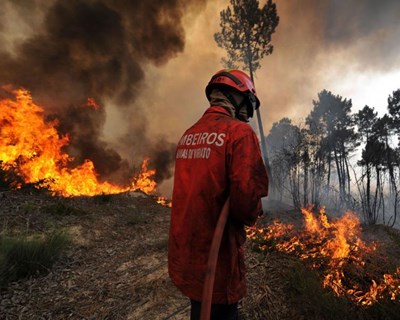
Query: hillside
116	265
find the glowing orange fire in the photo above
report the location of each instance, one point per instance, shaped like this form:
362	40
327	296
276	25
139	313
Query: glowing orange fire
164	202
144	181
32	147
332	248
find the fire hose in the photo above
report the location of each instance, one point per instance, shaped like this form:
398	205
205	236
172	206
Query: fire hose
212	263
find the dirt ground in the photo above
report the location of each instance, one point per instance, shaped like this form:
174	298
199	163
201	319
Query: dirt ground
116	267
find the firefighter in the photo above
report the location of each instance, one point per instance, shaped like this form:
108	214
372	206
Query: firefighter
216	158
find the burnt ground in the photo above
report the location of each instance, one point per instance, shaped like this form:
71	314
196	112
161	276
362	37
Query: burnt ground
116	266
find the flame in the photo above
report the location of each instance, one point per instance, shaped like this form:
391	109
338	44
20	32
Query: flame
32	148
164	202
144	181
336	250
91	103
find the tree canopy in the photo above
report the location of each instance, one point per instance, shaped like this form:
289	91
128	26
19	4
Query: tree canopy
246	31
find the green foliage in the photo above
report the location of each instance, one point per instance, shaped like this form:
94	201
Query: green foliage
315	301
283	138
394	108
246	31
365	120
61	209
21	257
379	157
331	118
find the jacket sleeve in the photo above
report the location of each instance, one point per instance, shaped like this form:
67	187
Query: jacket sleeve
247	178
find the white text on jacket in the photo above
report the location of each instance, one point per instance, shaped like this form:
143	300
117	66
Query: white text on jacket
203	138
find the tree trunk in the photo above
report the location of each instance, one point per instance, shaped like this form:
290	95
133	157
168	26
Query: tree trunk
305	187
261	132
368	192
347	175
338	174
329	173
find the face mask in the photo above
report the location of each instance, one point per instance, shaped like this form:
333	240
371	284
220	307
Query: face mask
251	104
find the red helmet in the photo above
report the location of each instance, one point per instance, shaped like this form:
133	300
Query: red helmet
234	79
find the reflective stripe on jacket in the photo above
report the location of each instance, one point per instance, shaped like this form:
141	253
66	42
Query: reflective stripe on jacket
218	156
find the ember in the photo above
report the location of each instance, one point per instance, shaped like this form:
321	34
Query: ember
336	250
91	103
32	147
164	202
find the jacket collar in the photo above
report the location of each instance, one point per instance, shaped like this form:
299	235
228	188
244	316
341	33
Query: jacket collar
218	109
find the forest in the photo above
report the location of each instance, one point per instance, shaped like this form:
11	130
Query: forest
339	159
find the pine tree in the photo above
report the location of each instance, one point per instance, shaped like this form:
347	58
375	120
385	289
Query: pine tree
246	31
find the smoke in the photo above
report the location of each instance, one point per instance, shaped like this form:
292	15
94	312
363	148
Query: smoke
321	43
346	21
146	64
65	52
370	27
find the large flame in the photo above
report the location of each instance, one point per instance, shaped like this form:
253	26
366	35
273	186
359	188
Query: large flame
32	147
336	250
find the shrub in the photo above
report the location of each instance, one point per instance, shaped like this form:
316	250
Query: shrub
313	300
21	257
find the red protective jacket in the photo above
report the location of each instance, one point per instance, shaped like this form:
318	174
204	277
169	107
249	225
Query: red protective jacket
218	156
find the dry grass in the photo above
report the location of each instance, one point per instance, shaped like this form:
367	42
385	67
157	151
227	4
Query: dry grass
117	268
284	287
24	256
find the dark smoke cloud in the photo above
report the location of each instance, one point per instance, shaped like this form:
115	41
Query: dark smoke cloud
94	49
161	156
82	52
84	133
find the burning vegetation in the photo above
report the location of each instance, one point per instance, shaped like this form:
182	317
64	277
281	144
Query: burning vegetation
349	266
76	76
32	148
